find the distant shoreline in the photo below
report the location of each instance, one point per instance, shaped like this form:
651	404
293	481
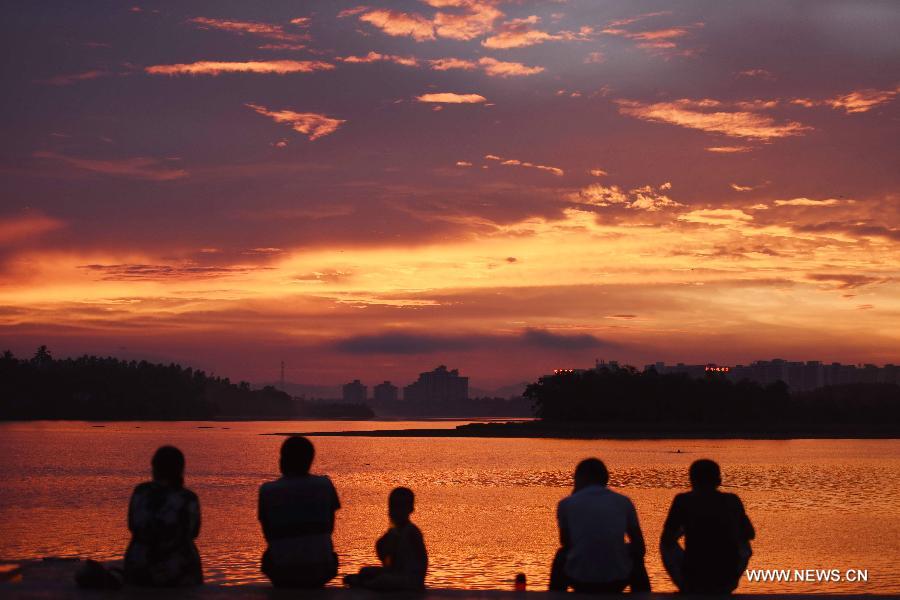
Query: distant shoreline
537	430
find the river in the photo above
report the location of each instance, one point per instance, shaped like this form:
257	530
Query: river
485	506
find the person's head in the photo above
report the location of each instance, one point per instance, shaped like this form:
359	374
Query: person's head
401	503
297	454
168	466
705	474
590	471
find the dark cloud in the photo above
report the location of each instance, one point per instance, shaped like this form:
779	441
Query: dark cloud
847	281
144	272
855	229
556	341
420	343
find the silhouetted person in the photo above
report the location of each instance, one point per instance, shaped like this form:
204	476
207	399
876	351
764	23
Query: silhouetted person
520	583
717	534
164	519
593	523
297	517
401	550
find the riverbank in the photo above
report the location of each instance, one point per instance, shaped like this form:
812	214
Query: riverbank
53	579
639	431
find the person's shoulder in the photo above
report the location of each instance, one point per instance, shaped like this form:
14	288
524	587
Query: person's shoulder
414	530
189	495
144	486
322	481
682	497
275	486
731	499
621	498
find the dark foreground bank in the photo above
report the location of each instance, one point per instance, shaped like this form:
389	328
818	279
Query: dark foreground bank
638	431
51	579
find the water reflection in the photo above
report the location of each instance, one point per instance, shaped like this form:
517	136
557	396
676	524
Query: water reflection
486	507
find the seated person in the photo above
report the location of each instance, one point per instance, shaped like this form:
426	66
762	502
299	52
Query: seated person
593	524
164	519
401	551
717	534
297	517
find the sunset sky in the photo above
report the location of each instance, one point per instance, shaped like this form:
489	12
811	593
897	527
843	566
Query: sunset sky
368	191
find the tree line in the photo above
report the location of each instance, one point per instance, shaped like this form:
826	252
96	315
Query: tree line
627	396
105	388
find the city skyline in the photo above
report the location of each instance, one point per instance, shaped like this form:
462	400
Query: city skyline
500	186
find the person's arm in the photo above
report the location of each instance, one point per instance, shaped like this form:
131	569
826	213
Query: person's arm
747	530
261	514
132	525
193	515
561	519
635	535
383	548
335	504
673	528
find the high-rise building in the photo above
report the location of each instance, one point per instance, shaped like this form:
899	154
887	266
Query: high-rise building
438	386
355	392
385	392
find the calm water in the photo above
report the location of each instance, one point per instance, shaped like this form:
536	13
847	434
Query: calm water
486	506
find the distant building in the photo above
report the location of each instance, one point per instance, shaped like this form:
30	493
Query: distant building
355	392
799	376
386	392
438	386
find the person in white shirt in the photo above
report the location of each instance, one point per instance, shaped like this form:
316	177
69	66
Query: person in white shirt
594	521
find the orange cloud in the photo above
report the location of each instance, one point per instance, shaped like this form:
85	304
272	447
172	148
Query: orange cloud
350	12
398	23
728	149
514	162
862	100
498	68
707	115
807	202
467	20
408	61
636	18
281	46
445	64
642	198
209	67
451	98
858	101
151	169
17	229
491	66
661	41
519	33
313	125
266	30
476	19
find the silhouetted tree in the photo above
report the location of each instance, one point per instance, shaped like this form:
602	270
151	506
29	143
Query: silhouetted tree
91	387
624	395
